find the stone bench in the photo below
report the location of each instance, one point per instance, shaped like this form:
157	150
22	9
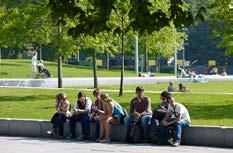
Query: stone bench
194	135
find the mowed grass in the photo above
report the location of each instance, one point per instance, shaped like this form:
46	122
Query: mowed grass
205	109
21	68
210	87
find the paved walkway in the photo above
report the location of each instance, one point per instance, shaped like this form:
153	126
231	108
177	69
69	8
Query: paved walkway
41	145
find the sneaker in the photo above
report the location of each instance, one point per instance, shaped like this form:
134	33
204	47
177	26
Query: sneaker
61	137
105	140
50	132
176	144
170	141
98	140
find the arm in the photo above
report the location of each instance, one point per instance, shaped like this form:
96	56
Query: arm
148	110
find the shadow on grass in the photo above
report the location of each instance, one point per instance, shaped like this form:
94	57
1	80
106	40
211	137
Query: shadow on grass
25	98
8	64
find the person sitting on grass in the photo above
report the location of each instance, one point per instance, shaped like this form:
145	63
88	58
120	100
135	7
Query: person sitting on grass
171	87
182	88
181	119
81	114
59	118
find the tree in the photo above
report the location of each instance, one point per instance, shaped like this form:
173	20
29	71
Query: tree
221	16
93	17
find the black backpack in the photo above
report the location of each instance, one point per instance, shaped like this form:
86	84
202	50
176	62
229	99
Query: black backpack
134	133
159	113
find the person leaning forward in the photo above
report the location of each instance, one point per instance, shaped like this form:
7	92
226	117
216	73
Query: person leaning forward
140	105
81	113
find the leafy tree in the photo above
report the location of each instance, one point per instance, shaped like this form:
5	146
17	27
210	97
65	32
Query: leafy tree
221	15
93	17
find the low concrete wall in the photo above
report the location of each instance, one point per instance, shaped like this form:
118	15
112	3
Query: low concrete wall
88	81
194	135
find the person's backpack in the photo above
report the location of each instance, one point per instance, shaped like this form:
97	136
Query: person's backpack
159	113
134	133
154	130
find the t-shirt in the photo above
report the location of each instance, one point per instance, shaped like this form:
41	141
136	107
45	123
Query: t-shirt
180	109
144	105
87	105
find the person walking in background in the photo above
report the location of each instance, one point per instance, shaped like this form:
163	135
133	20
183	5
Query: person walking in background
81	114
140	105
62	106
34	65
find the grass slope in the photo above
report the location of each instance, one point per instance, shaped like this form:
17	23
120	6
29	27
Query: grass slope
21	68
205	109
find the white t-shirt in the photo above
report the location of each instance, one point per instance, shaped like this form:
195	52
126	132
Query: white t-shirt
180	109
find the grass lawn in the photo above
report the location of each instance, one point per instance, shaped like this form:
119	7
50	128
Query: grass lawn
210	87
205	109
21	68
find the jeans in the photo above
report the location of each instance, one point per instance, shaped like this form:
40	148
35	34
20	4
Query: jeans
145	121
85	124
178	129
179	125
58	120
97	129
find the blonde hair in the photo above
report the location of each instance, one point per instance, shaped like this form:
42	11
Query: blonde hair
105	97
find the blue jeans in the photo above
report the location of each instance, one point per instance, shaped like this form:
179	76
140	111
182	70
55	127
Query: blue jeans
179	125
178	129
145	121
85	124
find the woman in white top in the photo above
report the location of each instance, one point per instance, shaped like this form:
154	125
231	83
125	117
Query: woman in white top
34	63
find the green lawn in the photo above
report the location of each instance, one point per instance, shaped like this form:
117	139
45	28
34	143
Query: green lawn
205	109
210	87
21	68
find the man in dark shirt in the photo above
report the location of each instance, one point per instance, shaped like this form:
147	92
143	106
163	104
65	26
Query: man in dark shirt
140	105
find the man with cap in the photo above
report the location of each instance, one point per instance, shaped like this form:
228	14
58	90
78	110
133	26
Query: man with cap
140	105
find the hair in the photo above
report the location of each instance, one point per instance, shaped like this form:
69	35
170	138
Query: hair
81	94
105	97
96	91
61	95
140	88
165	94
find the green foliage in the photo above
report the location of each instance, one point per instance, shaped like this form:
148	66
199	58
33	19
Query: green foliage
221	13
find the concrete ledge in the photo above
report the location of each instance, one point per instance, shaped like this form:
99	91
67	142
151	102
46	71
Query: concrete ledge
194	135
88	81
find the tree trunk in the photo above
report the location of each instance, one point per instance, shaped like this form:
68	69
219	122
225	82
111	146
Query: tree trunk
107	60
95	69
145	58
59	72
122	55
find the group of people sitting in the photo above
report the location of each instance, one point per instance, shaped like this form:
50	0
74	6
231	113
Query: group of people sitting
172	88
106	111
